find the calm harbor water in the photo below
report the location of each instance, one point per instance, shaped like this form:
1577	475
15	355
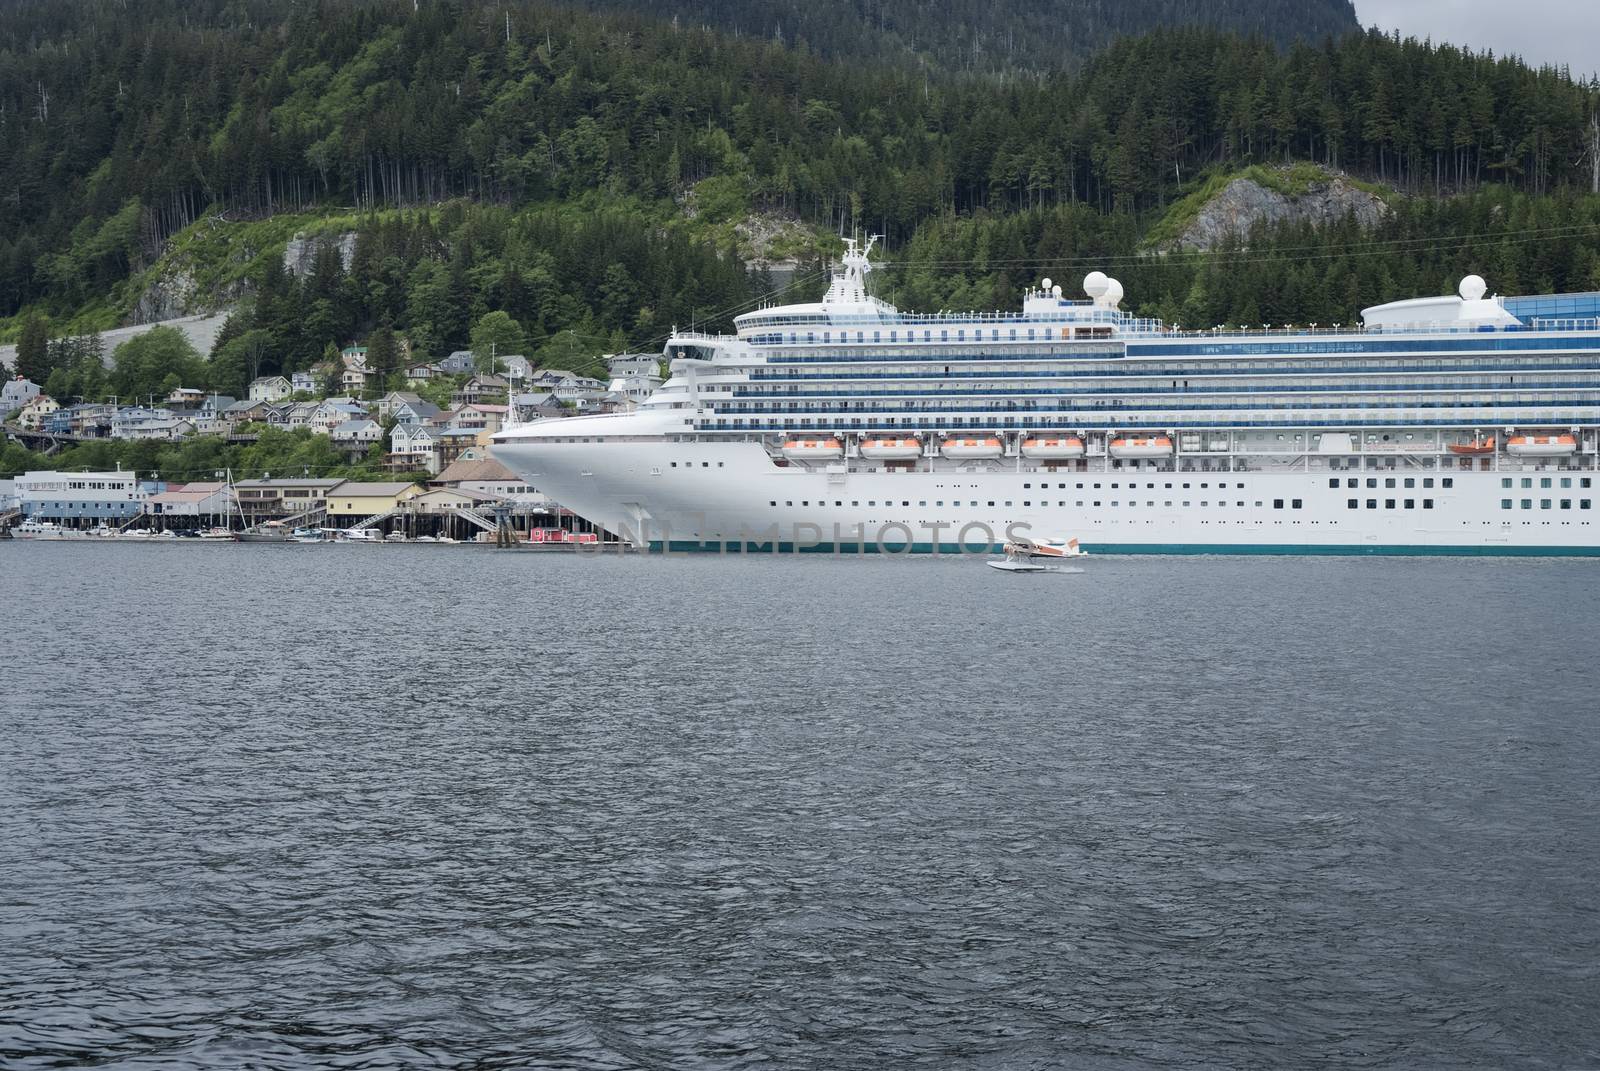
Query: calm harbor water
429	806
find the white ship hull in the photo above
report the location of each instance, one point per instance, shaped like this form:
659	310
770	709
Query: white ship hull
726	494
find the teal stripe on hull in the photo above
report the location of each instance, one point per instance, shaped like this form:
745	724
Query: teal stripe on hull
1349	549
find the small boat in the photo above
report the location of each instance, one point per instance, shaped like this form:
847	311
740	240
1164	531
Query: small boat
312	535
41	530
1046	548
217	533
1476	446
813	449
1541	445
1146	446
878	449
270	532
1053	448
361	535
425	539
980	448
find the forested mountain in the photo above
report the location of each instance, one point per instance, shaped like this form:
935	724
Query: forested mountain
984	36
563	144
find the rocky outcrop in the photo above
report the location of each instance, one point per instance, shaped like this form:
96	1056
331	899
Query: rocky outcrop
300	254
175	294
1244	203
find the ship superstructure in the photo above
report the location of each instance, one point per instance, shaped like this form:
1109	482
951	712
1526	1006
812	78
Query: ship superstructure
1438	424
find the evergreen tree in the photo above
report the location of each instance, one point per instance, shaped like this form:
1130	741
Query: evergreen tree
33	349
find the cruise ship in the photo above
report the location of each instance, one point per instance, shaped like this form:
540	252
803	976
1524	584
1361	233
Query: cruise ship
1462	424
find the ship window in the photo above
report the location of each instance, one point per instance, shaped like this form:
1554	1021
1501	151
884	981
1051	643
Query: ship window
1295	503
807	502
1097	504
772	503
1544	503
1427	481
705	464
1527	481
1505	503
1277	503
1388	503
1352	482
1505	482
1527	503
1372	503
872	502
855	502
1410	482
1025	503
940	503
991	503
1372	482
1411	503
1545	482
1566	481
1583	503
1027	486
1389	482
1566	503
908	503
674	464
1447	482
1334	482
922	503
1583	481
788	503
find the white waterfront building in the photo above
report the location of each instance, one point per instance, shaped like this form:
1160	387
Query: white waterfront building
1458	424
79	497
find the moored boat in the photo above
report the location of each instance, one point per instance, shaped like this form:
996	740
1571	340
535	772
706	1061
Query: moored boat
270	532
41	530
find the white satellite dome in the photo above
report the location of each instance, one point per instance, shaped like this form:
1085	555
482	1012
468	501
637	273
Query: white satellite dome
1472	288
1113	293
1046	284
1055	291
1094	284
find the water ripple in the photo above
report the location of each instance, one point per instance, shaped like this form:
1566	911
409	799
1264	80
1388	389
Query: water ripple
358	808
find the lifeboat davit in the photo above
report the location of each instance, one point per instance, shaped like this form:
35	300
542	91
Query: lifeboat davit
980	448
1541	445
1151	446
1476	446
891	449
1052	448
813	449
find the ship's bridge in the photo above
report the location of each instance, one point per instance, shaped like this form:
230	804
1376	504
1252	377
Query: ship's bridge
846	302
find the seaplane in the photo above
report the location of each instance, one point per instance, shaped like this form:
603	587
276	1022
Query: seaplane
1024	555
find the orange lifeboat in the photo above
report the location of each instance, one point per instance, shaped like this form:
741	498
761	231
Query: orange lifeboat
980	448
813	449
1541	445
1052	448
1149	446
878	449
1477	446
